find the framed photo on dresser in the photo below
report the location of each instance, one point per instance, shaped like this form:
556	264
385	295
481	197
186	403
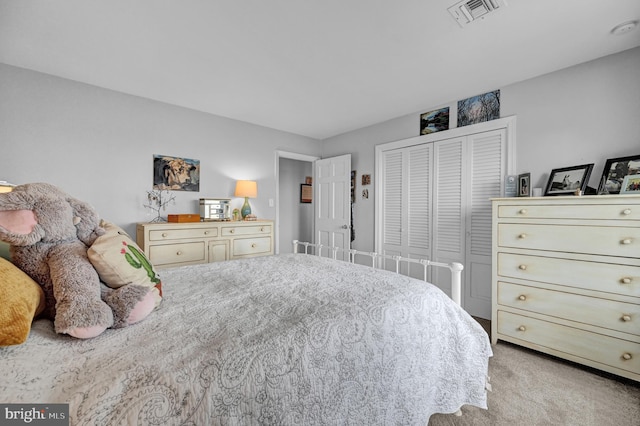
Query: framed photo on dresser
615	170
631	185
524	185
568	180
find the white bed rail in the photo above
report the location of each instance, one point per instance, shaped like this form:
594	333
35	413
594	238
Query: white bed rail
455	267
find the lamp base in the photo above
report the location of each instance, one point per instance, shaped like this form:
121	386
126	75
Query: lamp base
246	208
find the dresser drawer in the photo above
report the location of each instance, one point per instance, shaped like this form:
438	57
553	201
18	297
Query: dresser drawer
618	353
601	240
571	211
164	254
607	277
620	316
251	246
228	231
181	234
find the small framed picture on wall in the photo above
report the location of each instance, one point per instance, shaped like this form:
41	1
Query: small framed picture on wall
306	193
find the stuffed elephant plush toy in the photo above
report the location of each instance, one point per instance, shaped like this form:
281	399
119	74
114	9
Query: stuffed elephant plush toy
50	232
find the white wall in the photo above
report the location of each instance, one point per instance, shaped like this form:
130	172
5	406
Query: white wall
296	218
98	145
583	114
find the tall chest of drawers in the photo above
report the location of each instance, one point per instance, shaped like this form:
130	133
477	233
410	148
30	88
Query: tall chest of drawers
566	278
177	244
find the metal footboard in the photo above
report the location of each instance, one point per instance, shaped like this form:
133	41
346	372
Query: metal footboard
376	258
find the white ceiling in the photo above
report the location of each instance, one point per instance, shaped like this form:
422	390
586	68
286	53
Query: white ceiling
312	67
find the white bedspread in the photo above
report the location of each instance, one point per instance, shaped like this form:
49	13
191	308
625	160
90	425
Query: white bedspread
290	339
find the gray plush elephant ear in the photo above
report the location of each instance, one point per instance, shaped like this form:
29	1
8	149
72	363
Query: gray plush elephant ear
18	222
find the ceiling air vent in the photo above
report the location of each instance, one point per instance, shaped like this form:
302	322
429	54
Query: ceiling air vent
468	11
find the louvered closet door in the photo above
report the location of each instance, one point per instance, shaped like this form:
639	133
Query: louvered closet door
486	161
449	207
407	199
433	200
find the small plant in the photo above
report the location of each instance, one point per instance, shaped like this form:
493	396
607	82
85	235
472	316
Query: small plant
158	200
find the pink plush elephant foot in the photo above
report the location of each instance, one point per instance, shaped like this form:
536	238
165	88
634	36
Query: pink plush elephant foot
129	303
142	309
86	332
83	318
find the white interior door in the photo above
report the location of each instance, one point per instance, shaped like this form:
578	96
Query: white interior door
487	165
406	216
332	199
449	208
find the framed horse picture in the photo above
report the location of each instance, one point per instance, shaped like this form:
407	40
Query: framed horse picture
569	180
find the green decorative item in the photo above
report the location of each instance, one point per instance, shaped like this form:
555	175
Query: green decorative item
246	208
141	262
247	189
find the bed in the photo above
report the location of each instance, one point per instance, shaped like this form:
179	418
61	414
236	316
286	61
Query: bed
288	339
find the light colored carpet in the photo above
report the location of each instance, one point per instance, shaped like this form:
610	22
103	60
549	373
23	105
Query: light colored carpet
530	388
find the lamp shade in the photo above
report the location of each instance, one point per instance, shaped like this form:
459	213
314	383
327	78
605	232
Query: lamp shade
6	186
246	188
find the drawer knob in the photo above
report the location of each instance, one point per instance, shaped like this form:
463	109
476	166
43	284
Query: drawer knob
522	297
164	235
626	280
522	328
262	229
178	253
626	212
522	267
522	236
231	231
626	356
206	232
522	211
626	241
253	245
626	318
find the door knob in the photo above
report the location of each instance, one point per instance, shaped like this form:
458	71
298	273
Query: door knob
345	226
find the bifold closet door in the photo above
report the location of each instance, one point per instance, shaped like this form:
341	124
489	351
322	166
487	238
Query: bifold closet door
436	203
406	215
487	165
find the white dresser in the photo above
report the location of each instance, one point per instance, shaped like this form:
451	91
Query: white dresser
566	278
177	244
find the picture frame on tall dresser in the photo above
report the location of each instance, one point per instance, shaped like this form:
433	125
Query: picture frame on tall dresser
568	180
524	185
631	185
615	171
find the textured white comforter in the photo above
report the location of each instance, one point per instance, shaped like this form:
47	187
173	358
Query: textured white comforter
290	339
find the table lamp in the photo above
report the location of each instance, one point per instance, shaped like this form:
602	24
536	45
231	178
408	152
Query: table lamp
247	189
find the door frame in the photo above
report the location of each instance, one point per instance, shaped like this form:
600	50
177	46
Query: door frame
292	156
